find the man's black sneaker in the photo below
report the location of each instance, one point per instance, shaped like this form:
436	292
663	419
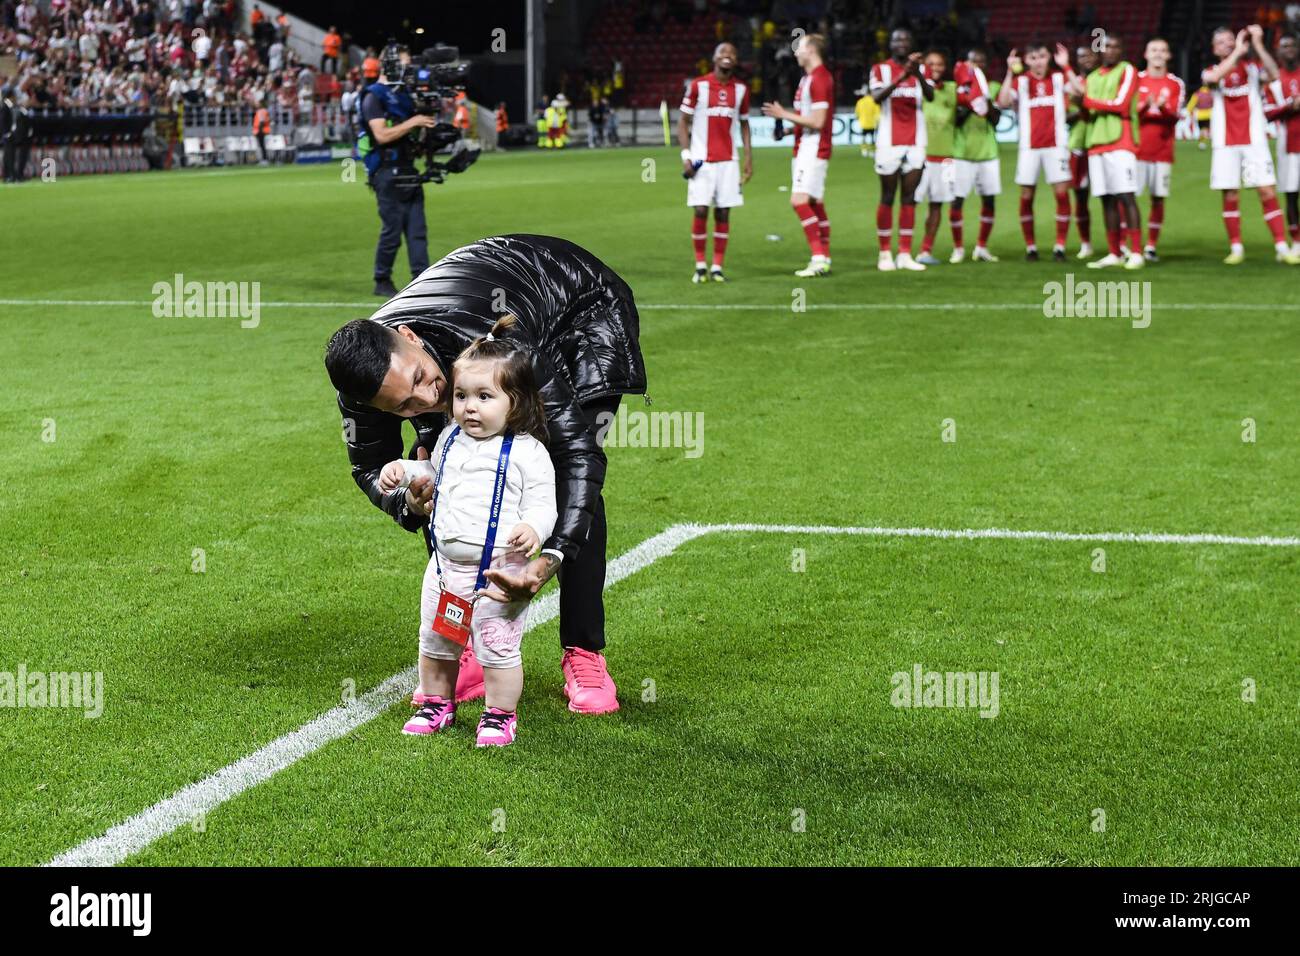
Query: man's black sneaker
1031	255
385	288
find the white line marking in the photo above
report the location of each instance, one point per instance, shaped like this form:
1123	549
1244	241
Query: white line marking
373	304
138	832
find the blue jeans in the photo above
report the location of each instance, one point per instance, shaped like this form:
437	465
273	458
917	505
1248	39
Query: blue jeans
402	213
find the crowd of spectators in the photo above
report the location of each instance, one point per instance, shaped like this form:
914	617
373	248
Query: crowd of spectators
115	55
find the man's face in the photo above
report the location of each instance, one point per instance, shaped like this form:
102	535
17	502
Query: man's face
414	384
1288	50
1157	54
1086	59
1223	43
724	59
1114	51
478	403
1037	60
936	66
900	44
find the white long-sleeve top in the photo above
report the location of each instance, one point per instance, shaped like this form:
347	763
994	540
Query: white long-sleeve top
465	494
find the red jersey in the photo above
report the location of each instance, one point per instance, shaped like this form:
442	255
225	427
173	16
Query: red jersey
1040	109
1282	91
1156	123
972	88
716	108
1237	116
901	121
816	92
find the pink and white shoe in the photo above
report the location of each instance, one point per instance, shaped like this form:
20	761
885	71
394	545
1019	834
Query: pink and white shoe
496	728
469	682
587	683
435	714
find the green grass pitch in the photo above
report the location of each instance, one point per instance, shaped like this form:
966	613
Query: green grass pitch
770	737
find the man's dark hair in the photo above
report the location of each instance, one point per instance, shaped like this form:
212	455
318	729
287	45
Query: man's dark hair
1036	44
358	356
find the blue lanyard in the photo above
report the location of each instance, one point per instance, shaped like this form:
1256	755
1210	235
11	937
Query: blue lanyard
498	496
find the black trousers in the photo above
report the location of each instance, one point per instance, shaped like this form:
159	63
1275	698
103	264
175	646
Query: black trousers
582	577
402	213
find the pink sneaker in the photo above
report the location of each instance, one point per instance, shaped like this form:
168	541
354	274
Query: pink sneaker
496	728
435	714
469	682
587	682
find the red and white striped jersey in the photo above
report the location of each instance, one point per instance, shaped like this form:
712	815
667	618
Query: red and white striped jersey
1237	116
1040	109
1156	123
1282	91
716	108
901	120
816	92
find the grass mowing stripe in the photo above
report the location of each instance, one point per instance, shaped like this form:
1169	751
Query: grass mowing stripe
138	832
182	807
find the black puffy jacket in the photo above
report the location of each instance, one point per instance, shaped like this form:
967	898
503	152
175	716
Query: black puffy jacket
576	317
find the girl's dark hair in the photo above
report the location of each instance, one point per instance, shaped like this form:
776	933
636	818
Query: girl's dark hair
514	374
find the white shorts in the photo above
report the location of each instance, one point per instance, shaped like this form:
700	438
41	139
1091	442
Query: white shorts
899	159
984	176
938	181
715	184
1241	167
496	629
1154	177
1288	172
1052	161
1112	173
808	175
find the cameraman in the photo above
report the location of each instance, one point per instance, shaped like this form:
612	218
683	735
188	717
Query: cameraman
386	145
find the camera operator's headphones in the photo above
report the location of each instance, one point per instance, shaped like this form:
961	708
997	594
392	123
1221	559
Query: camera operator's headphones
390	60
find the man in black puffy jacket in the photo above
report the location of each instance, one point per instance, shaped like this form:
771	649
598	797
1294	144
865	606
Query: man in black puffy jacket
579	323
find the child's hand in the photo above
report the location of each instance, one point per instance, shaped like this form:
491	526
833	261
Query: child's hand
390	479
523	539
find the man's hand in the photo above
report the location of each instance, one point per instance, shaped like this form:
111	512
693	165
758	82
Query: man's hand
776	111
747	169
522	584
1062	56
914	61
1256	34
1014	63
419	493
1243	44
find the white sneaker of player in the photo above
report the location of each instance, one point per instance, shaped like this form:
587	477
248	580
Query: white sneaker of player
905	261
1135	260
1286	256
982	254
1107	261
1295	248
958	255
701	274
1085	251
1123	249
886	262
817	266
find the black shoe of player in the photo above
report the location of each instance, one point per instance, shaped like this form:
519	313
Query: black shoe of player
1031	255
385	287
1058	254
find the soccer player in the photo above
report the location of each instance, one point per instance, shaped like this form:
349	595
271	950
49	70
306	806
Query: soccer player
812	150
1284	95
1240	157
714	108
899	85
868	114
1040	99
1110	97
938	179
976	152
1077	118
1160	103
1203	107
